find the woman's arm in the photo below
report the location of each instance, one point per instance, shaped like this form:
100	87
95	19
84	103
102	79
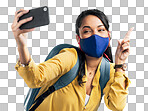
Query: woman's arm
123	72
116	90
21	36
122	52
24	55
115	93
37	75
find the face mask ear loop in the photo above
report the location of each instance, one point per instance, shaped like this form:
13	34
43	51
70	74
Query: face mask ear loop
109	38
79	43
107	47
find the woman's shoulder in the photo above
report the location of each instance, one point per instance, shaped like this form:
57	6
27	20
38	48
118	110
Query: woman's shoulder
67	56
69	52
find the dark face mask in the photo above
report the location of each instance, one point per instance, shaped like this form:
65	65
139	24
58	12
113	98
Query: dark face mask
94	45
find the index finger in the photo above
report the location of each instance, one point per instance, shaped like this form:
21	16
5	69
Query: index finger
129	32
19	11
17	15
126	38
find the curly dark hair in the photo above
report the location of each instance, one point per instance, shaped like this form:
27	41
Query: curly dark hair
107	53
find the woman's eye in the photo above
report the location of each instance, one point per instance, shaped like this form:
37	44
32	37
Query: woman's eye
86	31
101	30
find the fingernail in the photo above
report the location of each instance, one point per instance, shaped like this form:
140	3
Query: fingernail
27	10
30	18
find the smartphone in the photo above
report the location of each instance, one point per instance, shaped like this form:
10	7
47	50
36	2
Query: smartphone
40	18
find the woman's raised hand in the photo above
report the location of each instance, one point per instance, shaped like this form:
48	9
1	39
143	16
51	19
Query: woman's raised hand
123	49
20	35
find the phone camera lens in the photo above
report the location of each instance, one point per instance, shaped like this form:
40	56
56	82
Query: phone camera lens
45	9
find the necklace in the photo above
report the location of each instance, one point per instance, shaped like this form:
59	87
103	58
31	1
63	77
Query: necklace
91	73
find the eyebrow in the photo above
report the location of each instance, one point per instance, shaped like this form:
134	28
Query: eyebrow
90	27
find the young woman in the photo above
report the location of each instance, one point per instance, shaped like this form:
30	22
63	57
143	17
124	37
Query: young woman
83	93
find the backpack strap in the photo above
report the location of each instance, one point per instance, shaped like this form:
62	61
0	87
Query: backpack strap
32	93
104	74
62	81
57	49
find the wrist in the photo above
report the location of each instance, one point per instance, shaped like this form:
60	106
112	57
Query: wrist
119	62
119	70
120	67
24	64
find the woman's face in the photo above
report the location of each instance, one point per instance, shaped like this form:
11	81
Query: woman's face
92	25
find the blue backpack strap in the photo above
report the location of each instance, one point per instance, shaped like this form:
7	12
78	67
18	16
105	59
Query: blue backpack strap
68	77
62	81
57	49
32	93
104	74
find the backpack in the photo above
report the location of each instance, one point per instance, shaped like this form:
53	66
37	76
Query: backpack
65	79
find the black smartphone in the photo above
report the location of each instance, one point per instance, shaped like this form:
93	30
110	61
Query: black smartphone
40	18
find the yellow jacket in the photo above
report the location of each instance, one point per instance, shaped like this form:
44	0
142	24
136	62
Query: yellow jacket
72	97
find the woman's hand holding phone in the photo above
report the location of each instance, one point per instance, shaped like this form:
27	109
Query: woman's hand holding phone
20	35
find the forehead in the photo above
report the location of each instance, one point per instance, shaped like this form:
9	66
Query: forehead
91	20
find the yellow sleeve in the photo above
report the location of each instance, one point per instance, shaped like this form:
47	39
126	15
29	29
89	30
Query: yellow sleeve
115	94
37	75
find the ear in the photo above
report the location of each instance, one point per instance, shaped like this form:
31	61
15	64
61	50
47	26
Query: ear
77	38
